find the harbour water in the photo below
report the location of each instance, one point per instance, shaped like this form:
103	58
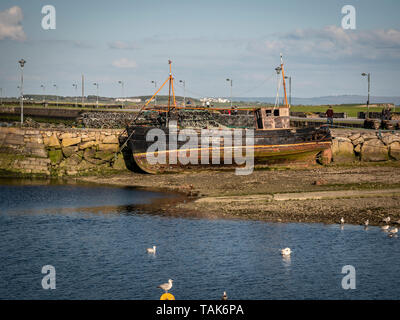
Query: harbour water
96	239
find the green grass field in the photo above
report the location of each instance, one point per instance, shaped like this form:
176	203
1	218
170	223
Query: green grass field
350	109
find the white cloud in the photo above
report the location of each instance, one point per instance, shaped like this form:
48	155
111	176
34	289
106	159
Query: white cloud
124	63
10	24
333	42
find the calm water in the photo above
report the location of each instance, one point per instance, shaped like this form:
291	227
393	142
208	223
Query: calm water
97	240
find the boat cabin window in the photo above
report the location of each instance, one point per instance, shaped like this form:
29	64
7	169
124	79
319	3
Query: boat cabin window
272	118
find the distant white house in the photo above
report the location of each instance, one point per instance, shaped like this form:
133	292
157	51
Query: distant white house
128	100
220	100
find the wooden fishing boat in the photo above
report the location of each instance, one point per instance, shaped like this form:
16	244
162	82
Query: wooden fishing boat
270	141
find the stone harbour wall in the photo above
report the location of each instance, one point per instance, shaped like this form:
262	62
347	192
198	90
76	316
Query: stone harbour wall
74	151
59	152
363	145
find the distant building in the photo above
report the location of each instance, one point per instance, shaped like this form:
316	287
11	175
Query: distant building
220	100
128	100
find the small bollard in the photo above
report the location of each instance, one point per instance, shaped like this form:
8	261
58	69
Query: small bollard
167	296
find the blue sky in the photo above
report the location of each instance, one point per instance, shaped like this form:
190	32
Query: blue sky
208	41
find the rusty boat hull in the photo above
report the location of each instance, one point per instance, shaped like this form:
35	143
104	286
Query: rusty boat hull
269	147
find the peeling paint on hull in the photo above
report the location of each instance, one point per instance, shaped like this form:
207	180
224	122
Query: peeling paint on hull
271	147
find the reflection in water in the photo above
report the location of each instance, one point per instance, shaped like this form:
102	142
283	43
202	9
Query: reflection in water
286	261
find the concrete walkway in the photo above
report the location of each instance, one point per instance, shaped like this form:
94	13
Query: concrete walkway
336	194
317	195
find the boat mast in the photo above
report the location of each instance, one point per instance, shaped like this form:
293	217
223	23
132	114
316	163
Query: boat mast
284	83
169	92
171	88
278	86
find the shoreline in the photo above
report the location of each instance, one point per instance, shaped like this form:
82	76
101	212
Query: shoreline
307	195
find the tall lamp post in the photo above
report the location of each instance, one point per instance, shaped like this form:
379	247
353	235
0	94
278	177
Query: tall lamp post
76	94
97	100
230	80
1	96
369	89
44	93
184	92
155	86
55	86
22	63
290	89
123	95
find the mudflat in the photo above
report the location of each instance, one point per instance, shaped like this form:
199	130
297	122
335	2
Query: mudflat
314	194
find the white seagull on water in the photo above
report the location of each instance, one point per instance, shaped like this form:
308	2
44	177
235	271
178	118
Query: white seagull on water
286	252
166	286
151	250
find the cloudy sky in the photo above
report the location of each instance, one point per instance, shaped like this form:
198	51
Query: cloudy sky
208	41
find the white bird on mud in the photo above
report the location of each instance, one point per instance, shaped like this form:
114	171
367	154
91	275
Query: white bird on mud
151	250
366	223
224	296
166	286
286	252
342	220
386	227
386	220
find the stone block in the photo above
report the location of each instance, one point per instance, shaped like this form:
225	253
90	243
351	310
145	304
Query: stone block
357	141
374	150
110	139
67	135
108	147
394	150
389	139
70	141
342	150
12	139
87	144
69	151
51	141
103	155
119	163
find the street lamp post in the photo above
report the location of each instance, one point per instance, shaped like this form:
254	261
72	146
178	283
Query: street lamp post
76	94
155	86
290	89
44	94
123	95
22	63
55	86
369	89
97	100
230	80
184	92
